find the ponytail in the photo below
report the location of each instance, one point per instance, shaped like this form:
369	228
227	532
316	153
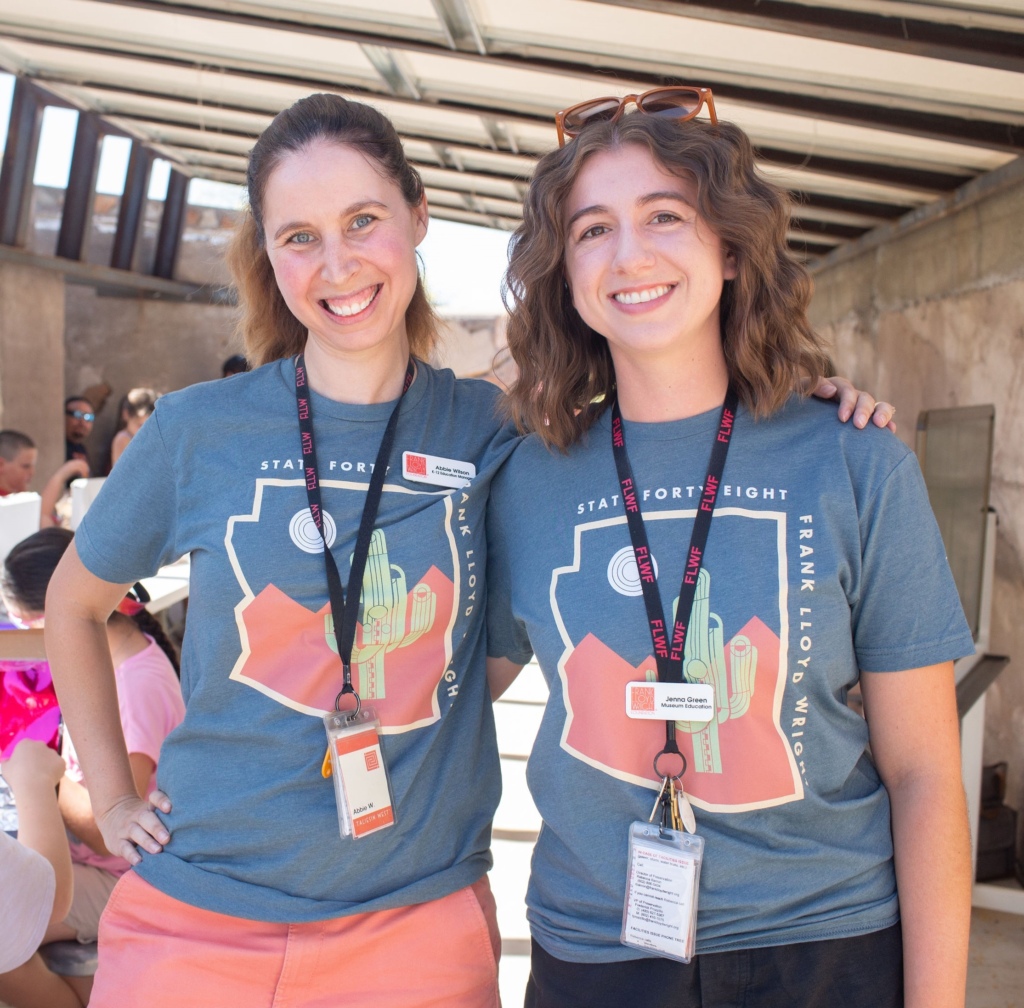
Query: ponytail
150	626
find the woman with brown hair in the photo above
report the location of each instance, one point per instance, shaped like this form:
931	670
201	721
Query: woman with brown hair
704	564
332	501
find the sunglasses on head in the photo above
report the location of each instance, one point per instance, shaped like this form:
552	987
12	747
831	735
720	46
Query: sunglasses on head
678	103
80	414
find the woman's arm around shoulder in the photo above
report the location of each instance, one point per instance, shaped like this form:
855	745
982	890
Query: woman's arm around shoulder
861	406
914	731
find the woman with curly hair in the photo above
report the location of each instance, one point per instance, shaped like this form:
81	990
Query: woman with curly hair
705	564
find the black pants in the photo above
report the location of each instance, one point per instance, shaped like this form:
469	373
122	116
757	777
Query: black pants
861	972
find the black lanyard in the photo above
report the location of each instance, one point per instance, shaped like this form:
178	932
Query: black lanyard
668	653
345	616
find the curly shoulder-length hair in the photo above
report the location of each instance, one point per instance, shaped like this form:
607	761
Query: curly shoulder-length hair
566	373
269	329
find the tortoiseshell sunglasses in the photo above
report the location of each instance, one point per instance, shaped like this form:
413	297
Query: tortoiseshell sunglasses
679	103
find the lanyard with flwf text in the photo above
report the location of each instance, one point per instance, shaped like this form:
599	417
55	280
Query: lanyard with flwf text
668	653
345	615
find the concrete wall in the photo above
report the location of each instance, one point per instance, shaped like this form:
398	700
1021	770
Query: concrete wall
132	341
32	360
933	316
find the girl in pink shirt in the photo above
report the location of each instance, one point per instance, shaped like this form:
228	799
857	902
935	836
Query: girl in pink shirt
150	707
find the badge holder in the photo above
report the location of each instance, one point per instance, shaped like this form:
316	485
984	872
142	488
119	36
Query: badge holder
663	878
354	759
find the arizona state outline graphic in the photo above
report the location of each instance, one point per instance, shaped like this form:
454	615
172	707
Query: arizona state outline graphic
736	642
403	642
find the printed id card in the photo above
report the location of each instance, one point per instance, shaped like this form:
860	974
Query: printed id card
361	786
662	878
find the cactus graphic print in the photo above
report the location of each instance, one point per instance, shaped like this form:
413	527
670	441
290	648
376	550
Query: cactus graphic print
740	759
403	640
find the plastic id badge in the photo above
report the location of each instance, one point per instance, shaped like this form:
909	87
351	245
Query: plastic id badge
361	786
662	879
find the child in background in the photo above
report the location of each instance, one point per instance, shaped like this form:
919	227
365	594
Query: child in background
18	456
136	406
150	707
36	880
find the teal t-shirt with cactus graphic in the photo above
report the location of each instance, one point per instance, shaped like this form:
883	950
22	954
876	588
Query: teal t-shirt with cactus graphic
823	560
217	473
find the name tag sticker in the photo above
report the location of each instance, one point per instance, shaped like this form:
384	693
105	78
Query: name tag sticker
663	701
420	468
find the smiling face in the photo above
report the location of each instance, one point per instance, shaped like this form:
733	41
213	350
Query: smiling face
644	269
341	240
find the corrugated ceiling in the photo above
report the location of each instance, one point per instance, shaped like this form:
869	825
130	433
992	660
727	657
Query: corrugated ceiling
864	109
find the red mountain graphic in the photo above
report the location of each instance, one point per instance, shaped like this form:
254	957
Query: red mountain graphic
756	764
290	656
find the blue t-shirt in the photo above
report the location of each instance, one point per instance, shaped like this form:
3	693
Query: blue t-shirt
217	473
823	560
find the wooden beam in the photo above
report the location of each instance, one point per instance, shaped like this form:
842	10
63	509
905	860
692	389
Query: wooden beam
76	216
172	223
19	162
867	208
811	227
783	96
919	179
1002	50
133	205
